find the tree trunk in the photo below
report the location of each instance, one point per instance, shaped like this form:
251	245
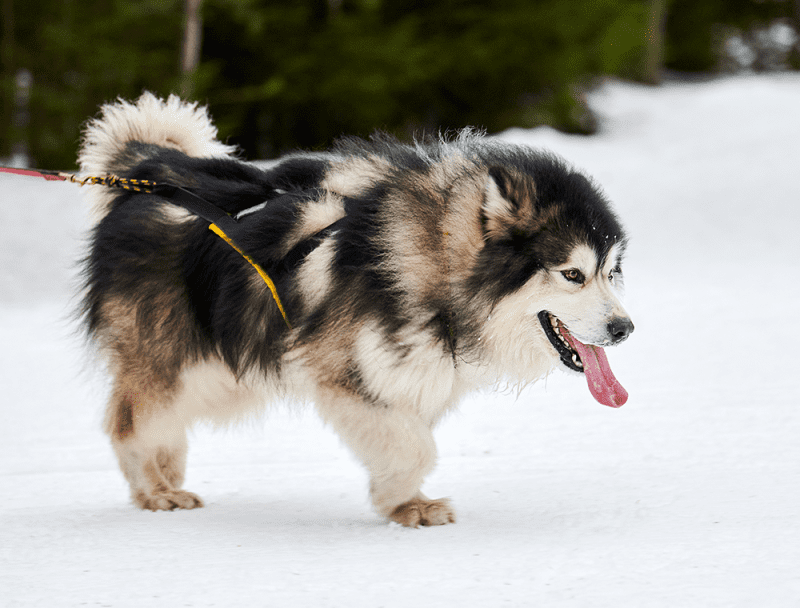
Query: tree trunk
190	49
655	41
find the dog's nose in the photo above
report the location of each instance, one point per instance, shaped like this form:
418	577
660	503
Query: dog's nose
619	328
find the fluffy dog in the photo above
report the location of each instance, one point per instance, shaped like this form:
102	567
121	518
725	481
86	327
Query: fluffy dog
409	274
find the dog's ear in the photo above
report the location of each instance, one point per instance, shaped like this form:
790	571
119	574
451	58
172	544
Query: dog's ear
508	202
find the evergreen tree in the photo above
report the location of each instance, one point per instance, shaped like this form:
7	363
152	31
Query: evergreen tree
281	74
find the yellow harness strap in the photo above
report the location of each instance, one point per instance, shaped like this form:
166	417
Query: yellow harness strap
216	230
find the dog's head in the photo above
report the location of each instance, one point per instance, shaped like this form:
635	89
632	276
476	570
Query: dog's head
552	265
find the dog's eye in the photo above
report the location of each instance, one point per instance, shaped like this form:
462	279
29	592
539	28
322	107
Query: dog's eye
614	274
574	275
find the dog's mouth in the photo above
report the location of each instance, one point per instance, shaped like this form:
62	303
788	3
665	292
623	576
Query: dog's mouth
555	332
588	359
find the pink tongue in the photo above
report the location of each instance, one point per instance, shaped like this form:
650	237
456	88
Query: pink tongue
602	383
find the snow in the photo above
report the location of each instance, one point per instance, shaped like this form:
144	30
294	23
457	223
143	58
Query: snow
686	496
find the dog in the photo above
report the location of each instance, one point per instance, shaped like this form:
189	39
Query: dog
397	277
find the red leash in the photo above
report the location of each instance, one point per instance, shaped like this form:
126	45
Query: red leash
137	185
48	175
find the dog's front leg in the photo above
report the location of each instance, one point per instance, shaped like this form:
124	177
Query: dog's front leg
398	449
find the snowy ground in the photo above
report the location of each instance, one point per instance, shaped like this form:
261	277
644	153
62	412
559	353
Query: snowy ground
687	496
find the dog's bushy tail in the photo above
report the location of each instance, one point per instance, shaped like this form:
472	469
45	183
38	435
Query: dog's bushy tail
125	133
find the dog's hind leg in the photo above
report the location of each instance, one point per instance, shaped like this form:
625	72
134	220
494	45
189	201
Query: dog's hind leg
398	450
149	439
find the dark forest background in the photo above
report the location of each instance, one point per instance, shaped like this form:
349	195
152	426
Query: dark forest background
283	74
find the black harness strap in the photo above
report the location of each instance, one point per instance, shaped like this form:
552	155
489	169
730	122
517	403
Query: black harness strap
197	205
292	260
220	222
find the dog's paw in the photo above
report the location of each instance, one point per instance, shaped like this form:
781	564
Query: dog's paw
418	512
168	500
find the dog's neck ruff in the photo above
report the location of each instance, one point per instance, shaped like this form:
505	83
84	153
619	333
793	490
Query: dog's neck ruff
220	223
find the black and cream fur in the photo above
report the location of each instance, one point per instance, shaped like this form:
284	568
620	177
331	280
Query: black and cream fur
410	274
